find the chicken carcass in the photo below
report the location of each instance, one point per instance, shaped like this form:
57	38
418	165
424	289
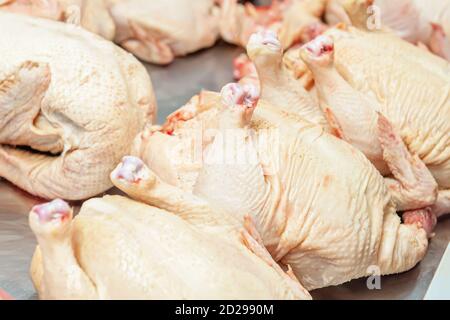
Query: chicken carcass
159	31
120	249
282	86
425	22
93	15
358	75
70	102
319	204
155	31
294	20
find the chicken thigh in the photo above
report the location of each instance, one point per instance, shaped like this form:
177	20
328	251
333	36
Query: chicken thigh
71	103
319	204
120	249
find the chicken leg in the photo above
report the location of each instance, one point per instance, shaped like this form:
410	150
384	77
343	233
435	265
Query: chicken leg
64	278
277	88
134	178
232	158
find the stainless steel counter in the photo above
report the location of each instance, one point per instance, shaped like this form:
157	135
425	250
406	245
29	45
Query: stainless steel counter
210	69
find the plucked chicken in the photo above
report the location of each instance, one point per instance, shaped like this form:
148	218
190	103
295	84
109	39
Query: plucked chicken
71	103
155	31
358	75
294	20
358	58
423	22
120	249
159	31
93	15
319	204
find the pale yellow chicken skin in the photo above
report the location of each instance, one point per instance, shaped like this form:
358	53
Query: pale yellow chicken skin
117	248
319	204
159	31
425	23
93	15
76	100
357	75
155	31
294	20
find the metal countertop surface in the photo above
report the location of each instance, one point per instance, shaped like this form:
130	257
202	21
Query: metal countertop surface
174	86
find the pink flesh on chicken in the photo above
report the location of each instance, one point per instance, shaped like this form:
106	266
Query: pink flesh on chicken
55	210
131	170
424	218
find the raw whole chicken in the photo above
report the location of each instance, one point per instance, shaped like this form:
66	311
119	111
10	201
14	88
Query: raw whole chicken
93	15
155	31
425	22
294	20
358	75
341	108
120	249
158	31
70	102
319	204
